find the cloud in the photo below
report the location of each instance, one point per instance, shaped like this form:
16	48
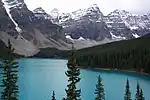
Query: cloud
106	6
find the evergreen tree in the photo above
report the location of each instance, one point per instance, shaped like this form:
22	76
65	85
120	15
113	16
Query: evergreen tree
63	99
137	92
53	96
99	91
141	96
127	91
9	74
72	73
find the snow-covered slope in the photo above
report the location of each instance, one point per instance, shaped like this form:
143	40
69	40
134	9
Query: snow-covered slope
8	5
92	11
125	22
131	21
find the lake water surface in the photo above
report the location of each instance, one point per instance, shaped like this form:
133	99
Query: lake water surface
39	77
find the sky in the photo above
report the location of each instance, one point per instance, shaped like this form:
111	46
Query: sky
106	6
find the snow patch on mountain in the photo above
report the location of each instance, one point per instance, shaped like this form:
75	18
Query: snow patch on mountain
69	37
134	27
7	7
14	3
117	37
89	43
78	14
75	15
136	36
81	38
130	20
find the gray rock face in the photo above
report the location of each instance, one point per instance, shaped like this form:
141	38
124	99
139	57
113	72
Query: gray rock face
90	23
5	23
125	24
27	32
87	23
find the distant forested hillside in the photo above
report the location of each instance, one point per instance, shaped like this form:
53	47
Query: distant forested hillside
127	54
51	53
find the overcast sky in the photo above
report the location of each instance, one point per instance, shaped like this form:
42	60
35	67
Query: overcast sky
106	6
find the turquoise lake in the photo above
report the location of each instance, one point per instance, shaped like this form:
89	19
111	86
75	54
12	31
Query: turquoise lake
39	77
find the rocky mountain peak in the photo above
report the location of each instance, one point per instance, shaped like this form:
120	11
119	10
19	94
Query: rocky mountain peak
39	10
55	13
93	8
90	11
121	13
41	14
14	3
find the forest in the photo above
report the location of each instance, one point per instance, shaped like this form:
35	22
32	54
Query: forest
124	55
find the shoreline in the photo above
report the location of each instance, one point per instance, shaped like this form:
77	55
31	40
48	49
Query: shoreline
109	69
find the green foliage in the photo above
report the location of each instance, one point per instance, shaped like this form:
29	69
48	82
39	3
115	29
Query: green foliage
53	96
127	92
137	96
72	73
10	77
122	55
99	91
141	97
139	93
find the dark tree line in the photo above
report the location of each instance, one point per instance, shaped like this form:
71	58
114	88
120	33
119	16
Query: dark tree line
128	55
136	59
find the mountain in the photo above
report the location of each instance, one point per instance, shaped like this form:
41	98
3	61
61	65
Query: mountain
127	25
27	32
87	23
33	31
90	23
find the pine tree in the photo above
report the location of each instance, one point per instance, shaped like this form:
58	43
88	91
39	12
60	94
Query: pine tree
10	76
72	73
53	96
141	96
63	99
137	92
100	95
127	91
